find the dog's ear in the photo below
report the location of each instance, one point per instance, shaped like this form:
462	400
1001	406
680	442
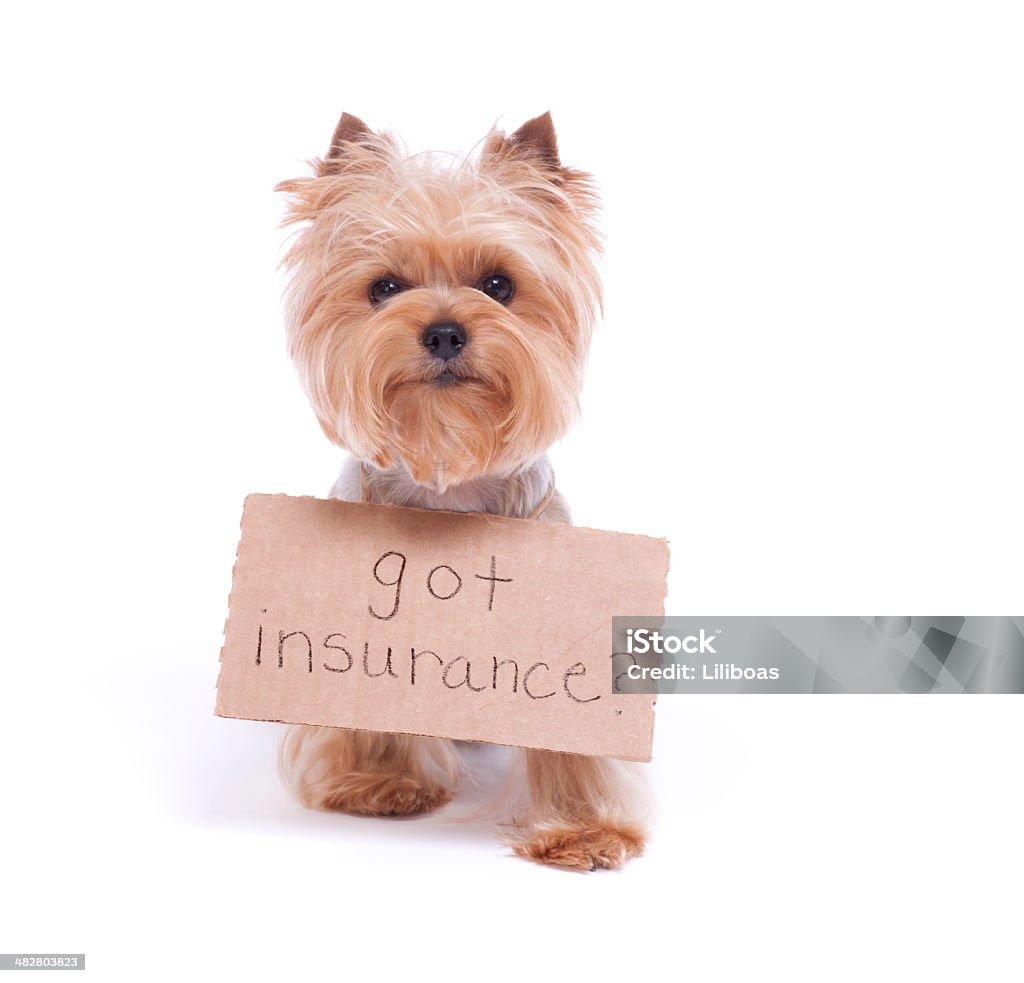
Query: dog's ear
528	160
355	150
534	141
351	131
537	137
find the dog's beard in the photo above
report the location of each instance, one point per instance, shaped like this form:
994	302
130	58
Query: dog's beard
489	411
448	433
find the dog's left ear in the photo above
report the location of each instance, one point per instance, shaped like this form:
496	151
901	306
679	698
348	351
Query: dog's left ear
534	141
537	137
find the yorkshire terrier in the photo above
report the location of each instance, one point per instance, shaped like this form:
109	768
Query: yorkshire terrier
439	311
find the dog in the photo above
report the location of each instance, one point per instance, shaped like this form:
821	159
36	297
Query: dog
439	311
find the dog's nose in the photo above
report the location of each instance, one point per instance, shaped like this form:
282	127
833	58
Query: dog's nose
444	341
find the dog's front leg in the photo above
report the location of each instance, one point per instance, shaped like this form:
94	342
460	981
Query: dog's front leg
584	813
367	773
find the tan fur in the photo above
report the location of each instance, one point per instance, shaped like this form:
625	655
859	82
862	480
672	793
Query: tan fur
368	774
440	225
582	847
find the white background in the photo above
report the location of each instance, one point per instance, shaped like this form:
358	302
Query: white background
808	378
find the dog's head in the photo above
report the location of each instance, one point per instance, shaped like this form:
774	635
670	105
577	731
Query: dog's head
440	310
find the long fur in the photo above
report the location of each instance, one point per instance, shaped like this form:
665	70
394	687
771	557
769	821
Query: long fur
439	226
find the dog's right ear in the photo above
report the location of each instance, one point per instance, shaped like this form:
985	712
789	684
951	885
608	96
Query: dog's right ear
350	132
355	151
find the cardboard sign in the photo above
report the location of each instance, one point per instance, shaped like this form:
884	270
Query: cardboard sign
459	625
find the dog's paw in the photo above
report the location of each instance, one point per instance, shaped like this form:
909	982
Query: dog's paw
593	847
374	794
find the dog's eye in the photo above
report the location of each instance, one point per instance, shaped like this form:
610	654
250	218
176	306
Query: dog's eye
383	288
497	287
